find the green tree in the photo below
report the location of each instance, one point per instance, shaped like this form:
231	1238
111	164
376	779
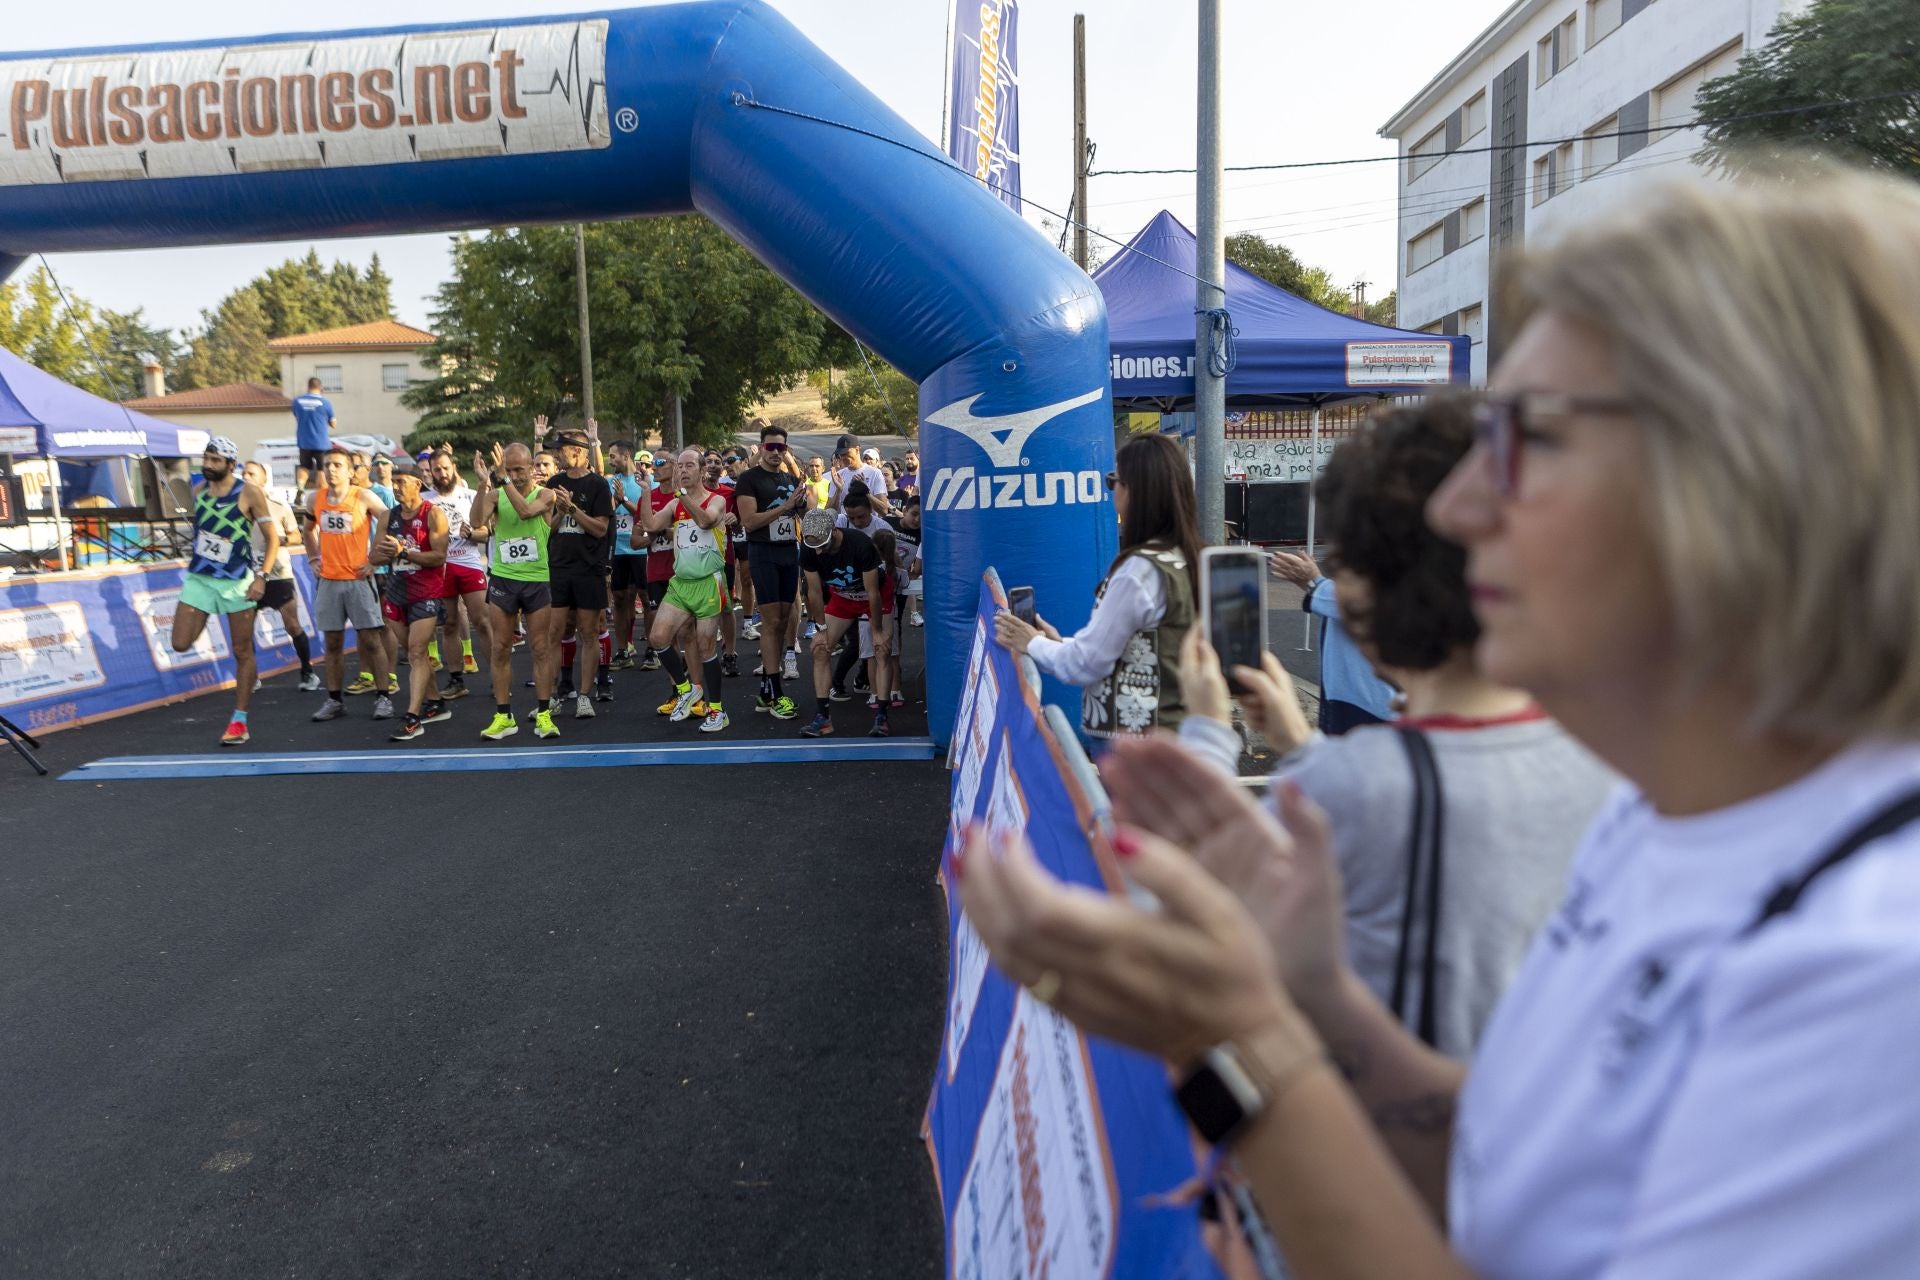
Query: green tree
1865	53
1277	264
858	406
677	309
462	405
126	342
1387	310
37	326
300	295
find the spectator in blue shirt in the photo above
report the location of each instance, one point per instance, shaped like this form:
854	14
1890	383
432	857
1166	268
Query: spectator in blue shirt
313	425
1351	694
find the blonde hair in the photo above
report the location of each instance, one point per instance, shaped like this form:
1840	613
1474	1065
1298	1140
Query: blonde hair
1769	333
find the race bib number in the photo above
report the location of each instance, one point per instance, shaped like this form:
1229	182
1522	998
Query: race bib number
520	551
212	548
781	530
624	522
662	542
691	537
405	566
568	525
336	522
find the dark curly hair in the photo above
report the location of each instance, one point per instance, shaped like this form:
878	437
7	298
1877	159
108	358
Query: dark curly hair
1373	498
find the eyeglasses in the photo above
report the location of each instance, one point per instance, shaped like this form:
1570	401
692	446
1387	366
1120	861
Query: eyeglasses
772	446
1504	424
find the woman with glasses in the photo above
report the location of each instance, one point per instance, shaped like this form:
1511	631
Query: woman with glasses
1127	657
1692	524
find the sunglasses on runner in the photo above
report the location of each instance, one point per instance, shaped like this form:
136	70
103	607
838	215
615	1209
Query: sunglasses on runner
772	446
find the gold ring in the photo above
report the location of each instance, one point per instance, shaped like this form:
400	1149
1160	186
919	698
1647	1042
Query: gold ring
1045	988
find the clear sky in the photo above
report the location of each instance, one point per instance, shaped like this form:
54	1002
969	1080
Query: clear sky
1302	82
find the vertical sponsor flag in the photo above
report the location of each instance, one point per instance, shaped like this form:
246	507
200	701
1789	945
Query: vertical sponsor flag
983	94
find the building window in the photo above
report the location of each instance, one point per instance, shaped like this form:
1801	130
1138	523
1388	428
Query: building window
1473	323
1552	173
1603	19
1429	246
1473	221
1676	101
329	375
393	377
1473	116
1437	327
1556	51
1426	153
1603	145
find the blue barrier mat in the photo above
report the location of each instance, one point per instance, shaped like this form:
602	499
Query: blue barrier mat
487	759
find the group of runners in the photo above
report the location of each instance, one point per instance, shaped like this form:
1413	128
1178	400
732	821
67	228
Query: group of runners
569	553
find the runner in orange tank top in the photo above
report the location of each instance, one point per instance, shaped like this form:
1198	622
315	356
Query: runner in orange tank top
340	527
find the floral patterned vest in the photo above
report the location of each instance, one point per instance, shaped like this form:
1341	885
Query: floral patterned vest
1142	692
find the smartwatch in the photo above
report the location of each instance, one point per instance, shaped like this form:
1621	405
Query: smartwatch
1220	1096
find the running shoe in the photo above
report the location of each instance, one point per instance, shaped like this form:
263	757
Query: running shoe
434	712
915	620
648	663
583	708
331	709
603	691
750	629
790	666
729	666
410	728
383	708
896	699
880	728
837	694
258	684
502	726
467	665
456	688
685	707
821	726
310	682
236	734
783	708
622	661
543	725
362	683
806	632
698	709
393	685
716	721
519	639
672	704
873	702
761	702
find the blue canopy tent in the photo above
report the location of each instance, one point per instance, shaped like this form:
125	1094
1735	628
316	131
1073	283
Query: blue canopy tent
77	428
1290	352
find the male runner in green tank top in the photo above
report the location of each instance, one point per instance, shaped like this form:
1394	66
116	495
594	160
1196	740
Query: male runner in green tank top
513	507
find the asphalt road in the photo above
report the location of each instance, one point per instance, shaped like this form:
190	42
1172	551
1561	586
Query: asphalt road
601	1022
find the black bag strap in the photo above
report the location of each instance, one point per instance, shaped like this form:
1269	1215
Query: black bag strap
1423	860
1786	896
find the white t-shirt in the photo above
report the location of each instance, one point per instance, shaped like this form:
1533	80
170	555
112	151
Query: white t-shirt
844	477
1135	600
1657	1099
458	509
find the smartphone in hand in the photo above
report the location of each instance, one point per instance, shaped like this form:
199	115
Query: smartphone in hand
1020	605
1233	605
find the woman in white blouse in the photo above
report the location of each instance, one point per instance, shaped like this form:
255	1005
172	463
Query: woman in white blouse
1692	521
1127	658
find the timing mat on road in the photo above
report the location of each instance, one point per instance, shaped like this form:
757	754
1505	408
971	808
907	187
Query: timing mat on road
488	759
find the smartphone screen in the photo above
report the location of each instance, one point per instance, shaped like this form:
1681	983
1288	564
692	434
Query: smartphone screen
1235	626
1020	605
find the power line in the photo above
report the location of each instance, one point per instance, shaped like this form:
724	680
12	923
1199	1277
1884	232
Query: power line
1533	142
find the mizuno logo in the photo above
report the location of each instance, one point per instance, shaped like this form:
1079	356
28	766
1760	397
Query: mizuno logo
1004	436
963	489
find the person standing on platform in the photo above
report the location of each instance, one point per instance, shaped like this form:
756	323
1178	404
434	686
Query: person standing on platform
313	424
220	577
344	519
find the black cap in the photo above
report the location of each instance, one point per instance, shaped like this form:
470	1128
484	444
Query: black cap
574	438
405	466
847	442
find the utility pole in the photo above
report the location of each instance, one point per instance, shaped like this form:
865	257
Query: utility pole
1080	139
1209	389
586	333
1360	299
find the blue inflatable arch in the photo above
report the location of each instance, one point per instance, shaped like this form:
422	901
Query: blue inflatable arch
720	107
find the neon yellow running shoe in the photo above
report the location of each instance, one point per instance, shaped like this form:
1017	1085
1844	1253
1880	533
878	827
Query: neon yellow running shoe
362	683
502	726
543	725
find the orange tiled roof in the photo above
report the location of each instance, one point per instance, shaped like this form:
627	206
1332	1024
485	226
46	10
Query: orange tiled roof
233	396
378	336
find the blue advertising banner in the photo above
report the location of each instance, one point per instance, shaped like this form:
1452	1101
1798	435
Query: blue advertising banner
87	646
983	94
1057	1155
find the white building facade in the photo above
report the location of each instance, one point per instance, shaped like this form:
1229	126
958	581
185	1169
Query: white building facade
1574	81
